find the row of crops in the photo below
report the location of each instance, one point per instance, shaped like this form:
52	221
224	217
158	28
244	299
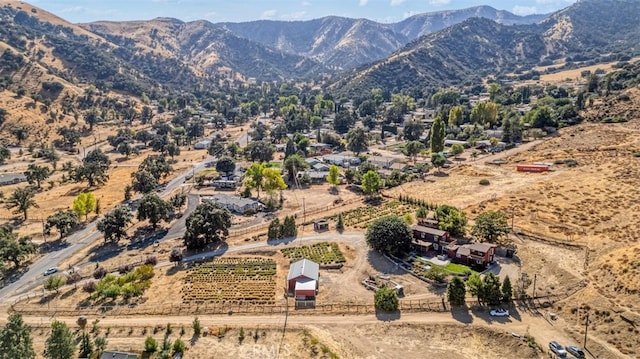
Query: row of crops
231	280
323	253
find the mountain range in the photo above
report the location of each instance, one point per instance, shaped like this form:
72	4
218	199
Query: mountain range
432	49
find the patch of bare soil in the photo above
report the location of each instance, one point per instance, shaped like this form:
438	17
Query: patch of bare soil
428	341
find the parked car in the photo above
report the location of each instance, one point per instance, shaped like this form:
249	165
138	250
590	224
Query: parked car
575	351
50	271
558	349
499	313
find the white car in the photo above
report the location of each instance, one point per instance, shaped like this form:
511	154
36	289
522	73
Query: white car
499	313
50	271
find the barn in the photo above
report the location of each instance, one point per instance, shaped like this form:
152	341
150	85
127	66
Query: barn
302	280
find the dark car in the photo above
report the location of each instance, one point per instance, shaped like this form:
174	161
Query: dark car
575	351
558	349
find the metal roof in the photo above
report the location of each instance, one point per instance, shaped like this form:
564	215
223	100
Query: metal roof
429	230
306	284
305	268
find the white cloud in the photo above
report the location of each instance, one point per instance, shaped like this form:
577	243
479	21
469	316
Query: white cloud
268	14
396	2
524	10
294	15
439	2
363	2
305	3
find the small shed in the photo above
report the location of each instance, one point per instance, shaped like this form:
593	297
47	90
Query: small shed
302	280
320	225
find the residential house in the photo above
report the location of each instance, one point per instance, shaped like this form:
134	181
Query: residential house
316	177
11	178
341	160
426	239
464	144
474	254
233	203
302	280
382	161
204	144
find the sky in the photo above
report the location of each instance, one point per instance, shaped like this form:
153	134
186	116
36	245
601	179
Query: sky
386	11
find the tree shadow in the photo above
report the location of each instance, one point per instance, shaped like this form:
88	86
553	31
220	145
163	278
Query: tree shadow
440	174
461	314
175	269
382	264
69	293
206	254
53	246
105	251
276	242
387	316
146	236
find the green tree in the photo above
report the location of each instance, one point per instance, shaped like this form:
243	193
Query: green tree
334	176
436	135
22	199
452	220
386	299
100	344
259	151
86	345
157	165
15	339
94	169
485	114
69	137
421	212
343	121
390	235
84	204
5	153
413	130
412	149
254	177
475	286
36	174
91	118
178	201
340	223
196	326
143	182
274	229
150	345
208	223
54	282
507	290
457	149
13	248
491	226
272	180
63	221
61	343
455	116
114	223
456	291
438	160
492	294
179	347
125	148
154	209
357	140
371	183
289	229
226	165
294	164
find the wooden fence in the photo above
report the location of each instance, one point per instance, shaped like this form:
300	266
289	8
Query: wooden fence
52	309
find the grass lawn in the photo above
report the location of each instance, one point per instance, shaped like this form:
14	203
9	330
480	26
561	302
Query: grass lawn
451	267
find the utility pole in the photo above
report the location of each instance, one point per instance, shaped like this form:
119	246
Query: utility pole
586	329
512	217
304	213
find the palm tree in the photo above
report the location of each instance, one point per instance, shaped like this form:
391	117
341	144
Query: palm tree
22	199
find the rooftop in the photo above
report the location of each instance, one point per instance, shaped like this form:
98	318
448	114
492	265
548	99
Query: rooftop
305	268
434	231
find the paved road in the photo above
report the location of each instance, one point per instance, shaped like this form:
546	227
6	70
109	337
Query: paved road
77	242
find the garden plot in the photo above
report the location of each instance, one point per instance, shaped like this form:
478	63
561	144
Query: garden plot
361	217
231	281
323	253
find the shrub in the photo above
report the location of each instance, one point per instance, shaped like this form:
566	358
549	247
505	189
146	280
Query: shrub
125	268
386	299
179	346
89	286
99	273
196	326
150	345
437	274
484	182
152	260
145	272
